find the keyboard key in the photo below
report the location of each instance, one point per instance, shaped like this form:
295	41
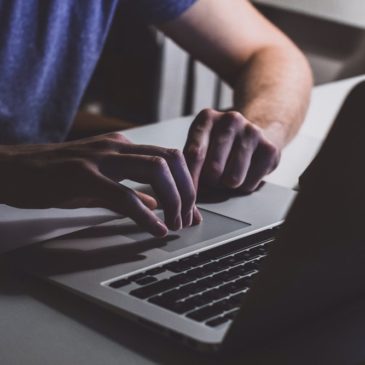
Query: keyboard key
137	276
169	297
231	314
180	307
210	268
251	266
217	321
197	301
146	280
198	272
213	294
244	282
186	263
182	278
243	256
226	289
263	250
238	285
175	267
255	252
212	310
153	289
227	275
208	282
183	307
191	288
119	283
155	271
246	269
226	304
231	260
191	261
237	245
238	298
206	312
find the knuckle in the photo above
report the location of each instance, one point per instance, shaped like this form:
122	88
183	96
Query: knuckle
115	136
234	181
234	115
214	170
251	135
174	154
191	197
109	141
204	119
206	113
158	163
229	126
195	153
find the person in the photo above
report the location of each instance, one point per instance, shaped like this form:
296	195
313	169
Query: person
48	51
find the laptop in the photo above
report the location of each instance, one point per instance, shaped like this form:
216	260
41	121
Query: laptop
242	275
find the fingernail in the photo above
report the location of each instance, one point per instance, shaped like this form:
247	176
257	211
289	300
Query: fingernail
198	218
160	230
177	224
188	219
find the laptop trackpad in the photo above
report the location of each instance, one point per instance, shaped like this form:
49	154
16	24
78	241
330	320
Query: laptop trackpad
124	232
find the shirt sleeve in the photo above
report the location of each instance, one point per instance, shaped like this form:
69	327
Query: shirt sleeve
158	11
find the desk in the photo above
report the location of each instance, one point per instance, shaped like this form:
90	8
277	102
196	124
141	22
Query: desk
42	324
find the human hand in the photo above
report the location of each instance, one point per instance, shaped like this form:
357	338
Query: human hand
85	173
225	150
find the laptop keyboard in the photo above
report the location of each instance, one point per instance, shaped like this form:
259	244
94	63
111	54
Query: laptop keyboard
207	287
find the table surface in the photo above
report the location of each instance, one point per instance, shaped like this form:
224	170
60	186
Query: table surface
42	324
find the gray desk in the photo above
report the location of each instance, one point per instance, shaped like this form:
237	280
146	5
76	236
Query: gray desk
41	324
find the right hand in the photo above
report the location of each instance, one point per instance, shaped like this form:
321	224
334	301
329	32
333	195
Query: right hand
85	173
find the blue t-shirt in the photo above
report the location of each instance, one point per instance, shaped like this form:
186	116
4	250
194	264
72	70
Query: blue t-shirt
48	51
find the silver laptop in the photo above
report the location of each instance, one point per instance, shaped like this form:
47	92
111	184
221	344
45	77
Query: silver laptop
241	275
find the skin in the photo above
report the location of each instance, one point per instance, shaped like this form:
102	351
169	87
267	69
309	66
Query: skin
233	149
85	173
271	81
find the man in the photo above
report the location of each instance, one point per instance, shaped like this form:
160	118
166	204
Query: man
48	50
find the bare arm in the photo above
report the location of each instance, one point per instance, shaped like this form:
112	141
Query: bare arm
271	80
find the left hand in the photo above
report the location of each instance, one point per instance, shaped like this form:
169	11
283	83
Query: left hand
225	150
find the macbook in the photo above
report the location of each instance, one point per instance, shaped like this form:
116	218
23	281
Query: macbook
242	275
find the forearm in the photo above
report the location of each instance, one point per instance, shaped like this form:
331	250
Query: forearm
273	90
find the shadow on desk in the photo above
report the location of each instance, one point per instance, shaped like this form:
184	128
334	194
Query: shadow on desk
336	339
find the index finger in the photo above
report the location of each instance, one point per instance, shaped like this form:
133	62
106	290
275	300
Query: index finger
197	143
125	201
